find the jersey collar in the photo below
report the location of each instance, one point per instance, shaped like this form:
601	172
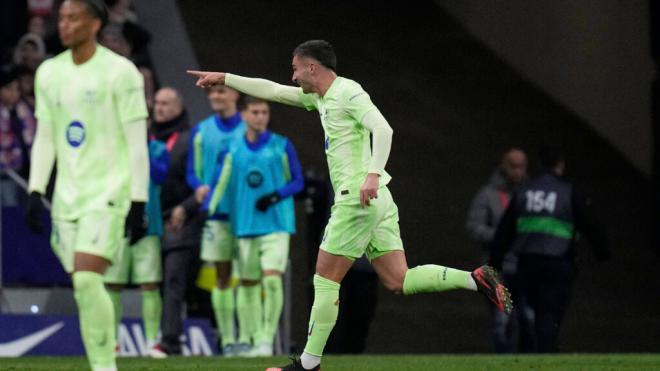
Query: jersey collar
229	123
261	141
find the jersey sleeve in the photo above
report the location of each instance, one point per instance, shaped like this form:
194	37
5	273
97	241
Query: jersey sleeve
308	100
194	160
129	95
43	105
357	103
296	181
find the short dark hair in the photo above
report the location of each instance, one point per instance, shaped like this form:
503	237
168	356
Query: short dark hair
248	99
320	50
550	156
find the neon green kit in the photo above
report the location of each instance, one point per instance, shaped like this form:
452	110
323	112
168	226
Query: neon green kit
353	230
87	107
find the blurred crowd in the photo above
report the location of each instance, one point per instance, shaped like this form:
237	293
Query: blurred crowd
28	36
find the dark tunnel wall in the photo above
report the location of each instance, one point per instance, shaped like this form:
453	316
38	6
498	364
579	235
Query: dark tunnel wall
454	107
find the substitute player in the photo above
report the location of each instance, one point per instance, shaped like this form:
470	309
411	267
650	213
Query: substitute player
92	118
208	139
141	262
364	217
257	178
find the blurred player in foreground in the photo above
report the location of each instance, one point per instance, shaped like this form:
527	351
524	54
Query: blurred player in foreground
92	118
364	218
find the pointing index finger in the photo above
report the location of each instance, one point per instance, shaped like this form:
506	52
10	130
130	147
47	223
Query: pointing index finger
196	73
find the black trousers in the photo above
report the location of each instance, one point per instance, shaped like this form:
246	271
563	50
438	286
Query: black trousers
546	284
179	269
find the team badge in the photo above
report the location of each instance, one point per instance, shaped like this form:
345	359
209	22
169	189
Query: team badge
255	178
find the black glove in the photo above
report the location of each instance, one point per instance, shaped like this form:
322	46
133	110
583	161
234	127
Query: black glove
33	213
267	200
136	222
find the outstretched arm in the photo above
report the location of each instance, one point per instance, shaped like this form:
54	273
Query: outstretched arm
260	88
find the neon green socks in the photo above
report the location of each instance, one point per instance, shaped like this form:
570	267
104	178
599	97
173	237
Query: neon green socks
223	306
323	316
152	308
97	317
434	278
273	302
249	310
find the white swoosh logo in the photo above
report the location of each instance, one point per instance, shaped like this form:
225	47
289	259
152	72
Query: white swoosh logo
23	345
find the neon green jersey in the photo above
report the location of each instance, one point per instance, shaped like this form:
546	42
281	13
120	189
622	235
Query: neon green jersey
347	144
88	106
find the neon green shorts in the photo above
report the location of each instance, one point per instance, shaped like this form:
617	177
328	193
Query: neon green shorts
218	243
353	231
95	233
258	254
137	264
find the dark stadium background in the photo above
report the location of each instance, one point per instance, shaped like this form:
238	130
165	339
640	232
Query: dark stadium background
454	106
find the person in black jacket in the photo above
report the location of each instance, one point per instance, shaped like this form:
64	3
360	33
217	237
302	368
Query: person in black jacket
182	220
540	226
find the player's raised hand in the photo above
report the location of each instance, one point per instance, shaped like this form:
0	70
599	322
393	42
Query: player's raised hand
369	189
206	79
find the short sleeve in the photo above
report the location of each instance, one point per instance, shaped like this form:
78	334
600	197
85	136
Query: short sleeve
308	100
358	103
43	105
129	95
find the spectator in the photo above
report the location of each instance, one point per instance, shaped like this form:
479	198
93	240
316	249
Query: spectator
37	26
25	77
483	216
121	14
17	129
114	38
540	226
43	8
182	221
30	51
119	11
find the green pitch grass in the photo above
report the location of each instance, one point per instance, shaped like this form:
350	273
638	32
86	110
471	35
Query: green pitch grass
371	362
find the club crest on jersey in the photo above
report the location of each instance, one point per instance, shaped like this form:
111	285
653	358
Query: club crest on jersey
75	134
254	178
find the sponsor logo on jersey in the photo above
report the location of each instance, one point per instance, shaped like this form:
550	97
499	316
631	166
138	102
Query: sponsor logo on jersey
255	178
75	134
